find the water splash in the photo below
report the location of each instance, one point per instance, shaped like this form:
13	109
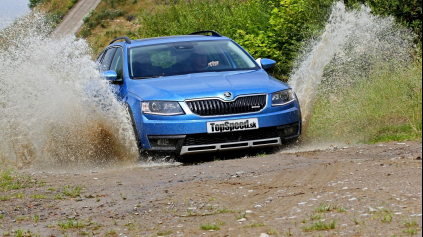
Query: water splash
54	109
353	41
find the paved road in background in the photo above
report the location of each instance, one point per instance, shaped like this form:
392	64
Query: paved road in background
74	19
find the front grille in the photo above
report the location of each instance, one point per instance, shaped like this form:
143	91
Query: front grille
219	138
215	107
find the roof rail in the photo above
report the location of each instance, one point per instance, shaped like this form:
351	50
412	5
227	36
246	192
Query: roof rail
213	33
127	40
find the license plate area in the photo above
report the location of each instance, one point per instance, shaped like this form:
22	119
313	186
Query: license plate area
233	125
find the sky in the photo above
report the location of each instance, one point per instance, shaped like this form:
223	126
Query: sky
10	9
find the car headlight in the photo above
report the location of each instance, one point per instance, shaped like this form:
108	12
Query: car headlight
162	108
283	97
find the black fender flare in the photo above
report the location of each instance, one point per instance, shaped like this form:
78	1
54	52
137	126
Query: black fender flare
134	127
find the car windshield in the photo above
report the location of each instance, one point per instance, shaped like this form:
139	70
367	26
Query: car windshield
187	57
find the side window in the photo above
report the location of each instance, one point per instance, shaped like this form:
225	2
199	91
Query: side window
99	60
117	63
105	64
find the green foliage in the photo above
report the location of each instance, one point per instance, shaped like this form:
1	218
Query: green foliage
70	224
164	233
320	226
254	225
71	3
266	29
407	12
273	29
210	227
97	18
384	106
72	193
34	3
11	181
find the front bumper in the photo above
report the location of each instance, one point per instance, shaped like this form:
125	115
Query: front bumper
200	143
188	134
264	137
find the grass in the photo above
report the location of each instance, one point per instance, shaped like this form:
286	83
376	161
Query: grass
324	207
164	233
241	216
410	231
111	233
410	223
36	218
5	198
21	218
315	216
355	220
38	196
272	232
11	181
320	226
56	9
223	211
146	18
58	197
19	195
99	31
210	227
254	225
387	218
72	193
70	224
385	106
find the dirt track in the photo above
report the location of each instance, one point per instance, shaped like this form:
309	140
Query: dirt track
369	191
75	18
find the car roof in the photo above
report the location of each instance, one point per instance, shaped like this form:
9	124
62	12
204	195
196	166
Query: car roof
170	39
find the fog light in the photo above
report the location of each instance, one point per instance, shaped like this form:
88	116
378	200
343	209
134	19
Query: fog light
289	131
163	142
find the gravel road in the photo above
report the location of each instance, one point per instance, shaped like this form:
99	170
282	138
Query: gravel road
369	190
74	19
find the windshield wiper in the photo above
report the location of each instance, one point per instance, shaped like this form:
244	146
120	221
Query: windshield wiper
146	77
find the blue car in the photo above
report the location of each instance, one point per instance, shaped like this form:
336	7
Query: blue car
199	93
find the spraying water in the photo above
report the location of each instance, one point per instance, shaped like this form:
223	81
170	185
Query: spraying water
54	109
352	42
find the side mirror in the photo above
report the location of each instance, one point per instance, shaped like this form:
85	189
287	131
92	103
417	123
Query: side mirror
109	75
267	64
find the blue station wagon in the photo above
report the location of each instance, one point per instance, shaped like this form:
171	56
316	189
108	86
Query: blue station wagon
199	93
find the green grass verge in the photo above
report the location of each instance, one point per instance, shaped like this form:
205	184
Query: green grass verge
210	227
10	181
320	226
385	106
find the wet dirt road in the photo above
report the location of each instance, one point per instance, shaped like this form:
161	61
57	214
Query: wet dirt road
371	190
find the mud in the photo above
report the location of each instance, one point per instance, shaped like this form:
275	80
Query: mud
369	190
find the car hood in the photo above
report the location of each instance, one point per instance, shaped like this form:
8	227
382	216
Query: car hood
205	85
